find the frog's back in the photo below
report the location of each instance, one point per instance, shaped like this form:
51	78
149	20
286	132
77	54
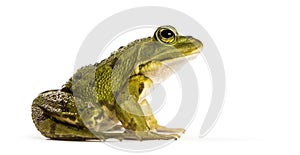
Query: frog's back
92	83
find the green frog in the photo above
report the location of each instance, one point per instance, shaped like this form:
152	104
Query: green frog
108	99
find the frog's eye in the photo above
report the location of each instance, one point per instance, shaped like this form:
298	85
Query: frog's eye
165	35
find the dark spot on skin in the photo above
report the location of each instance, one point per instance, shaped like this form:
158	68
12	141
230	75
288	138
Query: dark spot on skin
99	116
72	118
121	47
40	118
141	66
66	89
77	76
64	106
90	122
141	87
80	109
65	109
106	104
52	128
63	103
114	61
110	107
98	104
132	124
92	83
96	64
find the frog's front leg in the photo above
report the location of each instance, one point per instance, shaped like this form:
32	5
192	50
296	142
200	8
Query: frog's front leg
151	121
143	91
135	113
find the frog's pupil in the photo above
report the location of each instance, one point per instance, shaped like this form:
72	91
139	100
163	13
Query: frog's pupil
167	33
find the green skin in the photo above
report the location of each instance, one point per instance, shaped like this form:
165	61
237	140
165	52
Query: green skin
99	97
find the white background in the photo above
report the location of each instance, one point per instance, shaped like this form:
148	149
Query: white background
258	41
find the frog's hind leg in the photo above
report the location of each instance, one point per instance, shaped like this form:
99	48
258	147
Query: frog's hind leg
53	129
43	113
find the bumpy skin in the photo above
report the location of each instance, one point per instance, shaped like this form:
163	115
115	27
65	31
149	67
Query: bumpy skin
101	96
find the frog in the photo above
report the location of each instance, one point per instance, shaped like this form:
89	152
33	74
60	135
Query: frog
107	100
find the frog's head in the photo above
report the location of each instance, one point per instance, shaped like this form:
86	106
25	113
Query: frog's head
171	45
167	48
167	45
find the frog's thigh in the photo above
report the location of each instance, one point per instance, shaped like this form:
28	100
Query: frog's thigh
53	129
47	120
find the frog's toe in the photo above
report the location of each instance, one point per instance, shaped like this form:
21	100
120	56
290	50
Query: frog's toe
169	130
158	136
149	135
103	136
116	128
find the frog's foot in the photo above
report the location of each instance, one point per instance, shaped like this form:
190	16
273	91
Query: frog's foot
148	135
117	128
103	136
169	130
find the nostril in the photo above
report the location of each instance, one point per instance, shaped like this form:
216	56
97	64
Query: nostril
189	37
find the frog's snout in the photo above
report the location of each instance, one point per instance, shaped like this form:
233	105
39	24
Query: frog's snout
197	43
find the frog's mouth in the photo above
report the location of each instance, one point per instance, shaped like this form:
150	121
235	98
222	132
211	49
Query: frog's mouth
179	62
171	66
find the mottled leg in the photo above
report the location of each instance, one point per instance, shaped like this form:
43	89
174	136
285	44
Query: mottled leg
152	122
53	129
55	116
136	114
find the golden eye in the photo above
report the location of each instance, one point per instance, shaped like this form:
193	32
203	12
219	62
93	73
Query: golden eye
166	35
